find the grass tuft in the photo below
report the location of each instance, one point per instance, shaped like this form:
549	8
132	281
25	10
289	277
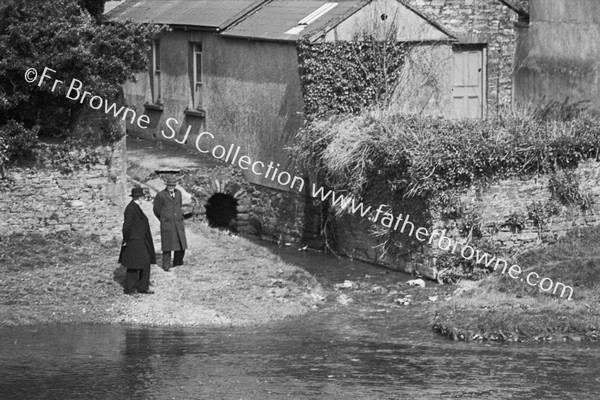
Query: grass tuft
502	308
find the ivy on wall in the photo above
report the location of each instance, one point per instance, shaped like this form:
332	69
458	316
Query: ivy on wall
426	156
92	145
73	155
414	164
420	165
347	77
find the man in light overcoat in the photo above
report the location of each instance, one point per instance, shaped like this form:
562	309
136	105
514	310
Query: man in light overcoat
137	250
167	208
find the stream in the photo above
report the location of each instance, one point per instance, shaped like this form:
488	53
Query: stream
360	349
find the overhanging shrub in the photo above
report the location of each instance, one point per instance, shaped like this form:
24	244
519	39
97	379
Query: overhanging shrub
413	163
423	156
16	141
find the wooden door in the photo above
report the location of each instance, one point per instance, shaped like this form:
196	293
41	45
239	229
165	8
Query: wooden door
468	78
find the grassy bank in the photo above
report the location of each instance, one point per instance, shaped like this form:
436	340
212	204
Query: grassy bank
69	278
501	308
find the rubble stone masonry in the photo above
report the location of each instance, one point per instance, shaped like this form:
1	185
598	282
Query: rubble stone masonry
514	195
493	206
46	200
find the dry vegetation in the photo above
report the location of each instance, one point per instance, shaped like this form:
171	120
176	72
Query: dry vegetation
500	308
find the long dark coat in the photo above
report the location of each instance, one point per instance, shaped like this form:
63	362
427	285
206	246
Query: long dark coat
172	230
139	249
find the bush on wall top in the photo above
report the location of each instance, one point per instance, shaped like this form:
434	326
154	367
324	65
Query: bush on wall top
409	155
416	165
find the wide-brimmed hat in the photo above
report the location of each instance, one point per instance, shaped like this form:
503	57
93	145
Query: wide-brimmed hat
170	180
137	192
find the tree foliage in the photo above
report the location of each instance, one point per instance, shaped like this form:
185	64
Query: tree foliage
94	7
63	36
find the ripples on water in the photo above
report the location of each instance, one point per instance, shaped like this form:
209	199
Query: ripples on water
322	356
353	352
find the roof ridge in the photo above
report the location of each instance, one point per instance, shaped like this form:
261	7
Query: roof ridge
315	34
213	15
252	9
335	21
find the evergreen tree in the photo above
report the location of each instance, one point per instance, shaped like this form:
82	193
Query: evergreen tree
63	36
94	7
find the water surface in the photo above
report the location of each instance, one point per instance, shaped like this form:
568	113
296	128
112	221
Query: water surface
356	351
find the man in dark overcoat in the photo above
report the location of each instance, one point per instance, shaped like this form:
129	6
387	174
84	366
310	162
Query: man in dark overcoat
137	250
167	208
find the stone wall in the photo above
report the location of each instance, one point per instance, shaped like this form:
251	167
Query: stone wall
481	21
492	207
46	200
352	237
514	196
270	214
283	217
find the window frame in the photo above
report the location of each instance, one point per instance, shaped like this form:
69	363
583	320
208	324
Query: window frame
197	50
196	76
156	72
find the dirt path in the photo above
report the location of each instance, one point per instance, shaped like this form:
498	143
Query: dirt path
226	280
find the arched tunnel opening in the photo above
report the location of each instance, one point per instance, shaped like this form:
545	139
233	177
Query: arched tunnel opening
221	211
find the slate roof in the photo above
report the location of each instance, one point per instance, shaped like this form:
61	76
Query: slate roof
109	5
273	20
211	14
251	19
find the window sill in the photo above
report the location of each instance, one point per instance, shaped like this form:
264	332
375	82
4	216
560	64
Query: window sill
200	113
156	107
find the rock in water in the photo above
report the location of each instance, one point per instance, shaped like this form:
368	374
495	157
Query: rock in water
416	282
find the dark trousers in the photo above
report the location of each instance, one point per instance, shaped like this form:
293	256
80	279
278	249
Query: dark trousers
137	279
177	258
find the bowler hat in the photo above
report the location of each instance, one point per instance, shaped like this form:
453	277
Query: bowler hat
170	180
137	192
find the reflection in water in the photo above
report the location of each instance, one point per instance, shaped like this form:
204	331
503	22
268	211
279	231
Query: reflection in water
136	363
359	351
320	356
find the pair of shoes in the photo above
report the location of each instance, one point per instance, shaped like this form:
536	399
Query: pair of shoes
146	291
167	268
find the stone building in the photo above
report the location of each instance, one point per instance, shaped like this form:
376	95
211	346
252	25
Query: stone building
484	53
558	53
225	75
231	69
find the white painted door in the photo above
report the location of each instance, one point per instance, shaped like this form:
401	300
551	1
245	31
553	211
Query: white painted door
468	95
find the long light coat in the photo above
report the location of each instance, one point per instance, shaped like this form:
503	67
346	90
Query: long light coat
172	230
138	251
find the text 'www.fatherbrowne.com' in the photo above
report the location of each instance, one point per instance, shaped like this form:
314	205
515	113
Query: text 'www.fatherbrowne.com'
439	238
271	171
